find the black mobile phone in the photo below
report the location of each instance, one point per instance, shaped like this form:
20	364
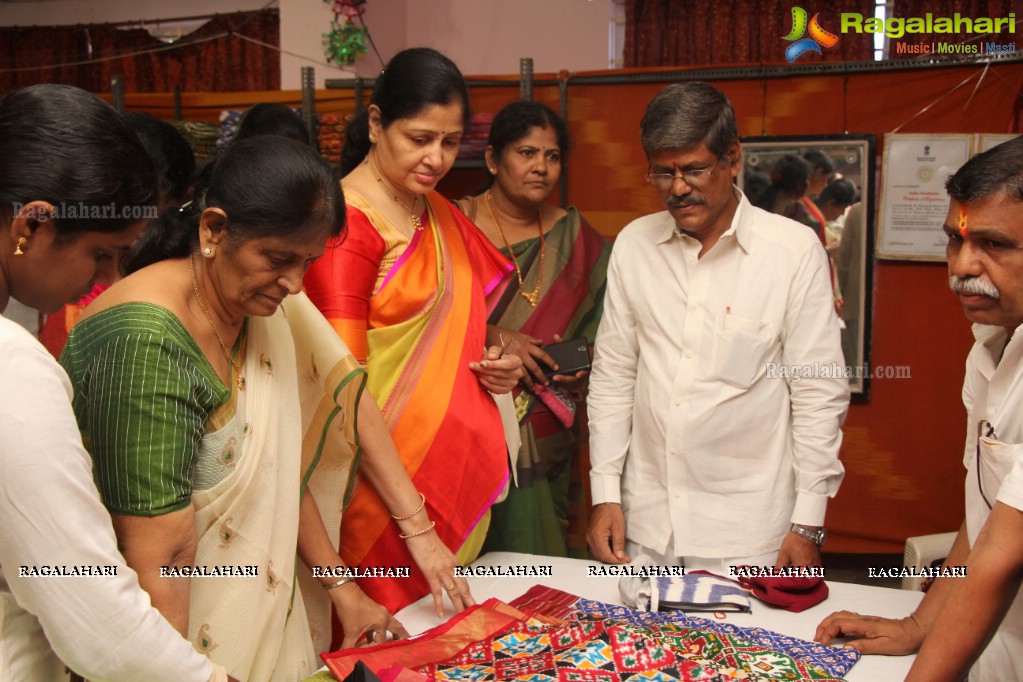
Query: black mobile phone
570	356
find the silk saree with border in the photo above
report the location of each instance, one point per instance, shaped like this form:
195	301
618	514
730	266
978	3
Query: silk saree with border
414	311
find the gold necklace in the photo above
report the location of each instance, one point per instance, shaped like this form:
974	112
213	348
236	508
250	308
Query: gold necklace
531	296
209	318
416	222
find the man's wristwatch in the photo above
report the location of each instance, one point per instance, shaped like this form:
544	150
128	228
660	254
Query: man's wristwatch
815	535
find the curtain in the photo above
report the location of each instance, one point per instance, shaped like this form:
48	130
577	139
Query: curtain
704	32
211	58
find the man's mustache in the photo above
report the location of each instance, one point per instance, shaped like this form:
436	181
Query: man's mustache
973	285
685	200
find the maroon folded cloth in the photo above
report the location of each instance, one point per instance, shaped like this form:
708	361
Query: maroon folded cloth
790	593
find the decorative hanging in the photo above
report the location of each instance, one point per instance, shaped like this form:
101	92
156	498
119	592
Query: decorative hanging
345	42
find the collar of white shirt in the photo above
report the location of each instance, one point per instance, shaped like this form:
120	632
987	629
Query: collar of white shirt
996	342
739	228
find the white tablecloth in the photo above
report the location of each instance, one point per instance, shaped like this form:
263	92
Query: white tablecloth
570	575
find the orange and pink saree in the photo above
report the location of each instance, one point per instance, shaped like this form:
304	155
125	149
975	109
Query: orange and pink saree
414	311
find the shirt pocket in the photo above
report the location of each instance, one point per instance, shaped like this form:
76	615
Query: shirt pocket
741	347
995	461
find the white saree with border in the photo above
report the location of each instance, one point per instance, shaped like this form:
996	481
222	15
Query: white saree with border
296	427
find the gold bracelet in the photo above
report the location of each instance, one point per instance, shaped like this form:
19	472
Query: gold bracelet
406	536
339	583
418	509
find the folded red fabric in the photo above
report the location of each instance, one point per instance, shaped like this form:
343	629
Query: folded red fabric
790	593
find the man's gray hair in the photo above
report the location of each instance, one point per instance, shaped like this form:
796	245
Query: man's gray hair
687	114
999	169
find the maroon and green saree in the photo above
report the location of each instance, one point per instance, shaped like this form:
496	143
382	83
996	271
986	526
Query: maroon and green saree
535	517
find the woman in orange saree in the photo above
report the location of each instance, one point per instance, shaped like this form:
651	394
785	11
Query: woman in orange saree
408	292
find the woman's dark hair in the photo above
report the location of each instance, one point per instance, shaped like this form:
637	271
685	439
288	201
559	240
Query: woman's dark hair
268	118
841	192
267	186
65	146
789	177
413	80
819	161
515	120
170	152
755	186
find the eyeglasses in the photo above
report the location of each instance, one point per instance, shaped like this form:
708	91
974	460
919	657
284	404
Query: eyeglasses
984	430
697	177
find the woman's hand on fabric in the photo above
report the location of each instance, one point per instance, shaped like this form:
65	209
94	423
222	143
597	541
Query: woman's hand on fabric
438	564
535	360
360	615
496	372
893	637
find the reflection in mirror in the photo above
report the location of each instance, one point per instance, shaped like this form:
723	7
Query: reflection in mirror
827	184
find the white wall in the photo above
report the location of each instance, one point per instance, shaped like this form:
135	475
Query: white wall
484	37
303	23
489	36
63	12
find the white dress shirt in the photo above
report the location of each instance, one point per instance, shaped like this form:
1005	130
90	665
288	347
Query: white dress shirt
51	516
993	396
698	424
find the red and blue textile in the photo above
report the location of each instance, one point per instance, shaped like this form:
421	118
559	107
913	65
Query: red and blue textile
551	635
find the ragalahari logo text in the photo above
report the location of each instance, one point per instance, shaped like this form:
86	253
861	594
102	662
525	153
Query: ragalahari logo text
819	37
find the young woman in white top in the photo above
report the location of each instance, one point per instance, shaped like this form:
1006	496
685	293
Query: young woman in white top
74	186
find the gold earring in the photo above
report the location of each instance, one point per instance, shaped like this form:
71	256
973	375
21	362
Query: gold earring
372	139
493	171
17	249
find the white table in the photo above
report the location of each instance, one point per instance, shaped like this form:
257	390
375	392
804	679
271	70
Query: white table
570	575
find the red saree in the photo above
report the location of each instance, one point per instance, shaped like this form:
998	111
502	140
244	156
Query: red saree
414	312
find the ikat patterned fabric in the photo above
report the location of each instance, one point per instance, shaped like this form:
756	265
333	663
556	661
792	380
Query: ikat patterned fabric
550	635
732	644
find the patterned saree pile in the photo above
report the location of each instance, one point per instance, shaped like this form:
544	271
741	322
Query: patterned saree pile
547	634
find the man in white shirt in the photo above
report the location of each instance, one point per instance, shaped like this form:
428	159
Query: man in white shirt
976	620
718	387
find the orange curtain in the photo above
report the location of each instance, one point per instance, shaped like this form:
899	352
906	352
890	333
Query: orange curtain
703	32
225	63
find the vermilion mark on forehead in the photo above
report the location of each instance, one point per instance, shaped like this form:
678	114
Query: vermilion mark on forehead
963	227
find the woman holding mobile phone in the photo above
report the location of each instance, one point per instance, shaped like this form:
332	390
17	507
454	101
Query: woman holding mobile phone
557	293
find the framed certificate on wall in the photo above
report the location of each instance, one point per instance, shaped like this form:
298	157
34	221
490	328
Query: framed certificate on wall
913	199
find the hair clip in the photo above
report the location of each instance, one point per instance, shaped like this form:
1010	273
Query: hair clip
185	206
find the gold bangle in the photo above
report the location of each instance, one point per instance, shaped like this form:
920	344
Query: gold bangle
406	536
418	509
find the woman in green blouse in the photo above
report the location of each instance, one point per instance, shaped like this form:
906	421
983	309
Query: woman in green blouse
225	421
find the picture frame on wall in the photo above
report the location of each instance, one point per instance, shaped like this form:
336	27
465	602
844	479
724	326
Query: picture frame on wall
849	229
913	198
989	140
